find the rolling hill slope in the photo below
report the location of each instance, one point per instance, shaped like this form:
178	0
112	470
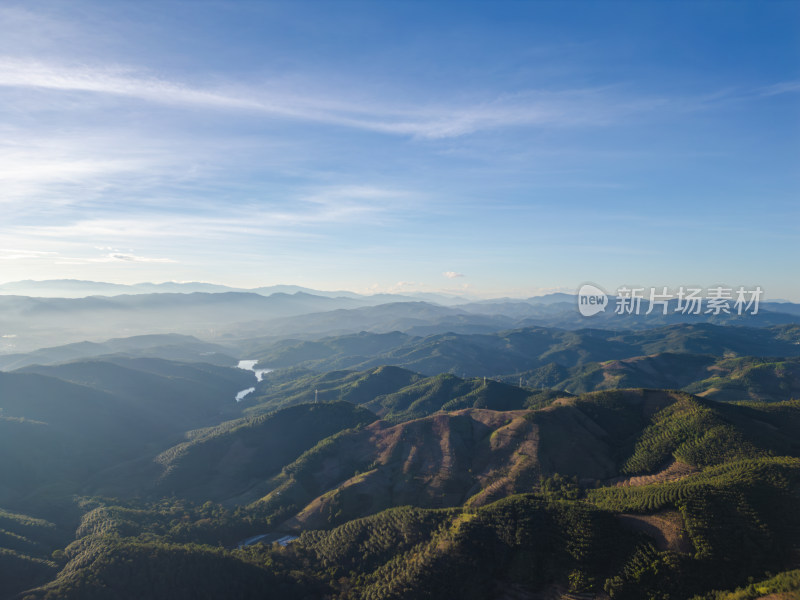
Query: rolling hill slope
474	456
521	350
744	378
227	461
178	396
392	393
61	425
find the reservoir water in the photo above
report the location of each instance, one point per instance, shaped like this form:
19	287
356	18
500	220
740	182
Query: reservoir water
249	365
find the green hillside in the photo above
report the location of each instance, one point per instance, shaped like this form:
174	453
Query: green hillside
474	456
517	545
520	350
750	379
143	478
726	379
783	586
296	386
666	371
392	393
26	545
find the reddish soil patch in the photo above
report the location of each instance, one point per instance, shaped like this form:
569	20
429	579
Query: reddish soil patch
666	528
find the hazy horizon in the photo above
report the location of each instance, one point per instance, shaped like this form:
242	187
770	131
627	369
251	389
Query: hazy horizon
392	290
466	296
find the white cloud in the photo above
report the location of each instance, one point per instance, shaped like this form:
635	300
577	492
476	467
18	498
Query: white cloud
120	81
565	107
11	254
111	255
40	171
786	87
120	257
305	215
452	274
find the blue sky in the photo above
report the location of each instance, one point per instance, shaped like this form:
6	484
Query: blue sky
481	148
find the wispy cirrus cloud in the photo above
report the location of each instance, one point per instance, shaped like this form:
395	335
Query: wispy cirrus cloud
109	258
316	208
452	274
123	257
569	107
20	254
110	255
784	87
57	178
41	170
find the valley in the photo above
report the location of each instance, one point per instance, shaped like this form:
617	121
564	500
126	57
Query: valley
601	463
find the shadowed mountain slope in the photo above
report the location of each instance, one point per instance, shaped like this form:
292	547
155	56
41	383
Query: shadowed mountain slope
181	396
227	461
61	425
165	346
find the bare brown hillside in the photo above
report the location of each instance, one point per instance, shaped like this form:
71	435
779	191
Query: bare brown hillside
472	456
438	461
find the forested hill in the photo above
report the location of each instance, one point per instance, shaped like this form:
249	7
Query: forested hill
520	350
668	472
634	494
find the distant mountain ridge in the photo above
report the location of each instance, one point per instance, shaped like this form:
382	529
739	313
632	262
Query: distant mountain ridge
31	322
75	288
167	346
